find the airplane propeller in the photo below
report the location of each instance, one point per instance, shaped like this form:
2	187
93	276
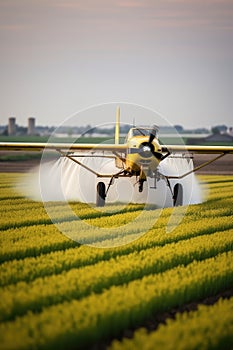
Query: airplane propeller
147	148
152	134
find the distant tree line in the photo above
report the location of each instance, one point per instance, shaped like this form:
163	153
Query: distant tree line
89	130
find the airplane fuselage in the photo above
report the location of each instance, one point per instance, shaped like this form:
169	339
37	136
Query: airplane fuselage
143	154
139	155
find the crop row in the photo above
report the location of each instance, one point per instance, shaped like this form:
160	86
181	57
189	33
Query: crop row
28	212
21	297
102	316
58	294
36	214
88	234
45	239
33	241
199	329
215	180
155	216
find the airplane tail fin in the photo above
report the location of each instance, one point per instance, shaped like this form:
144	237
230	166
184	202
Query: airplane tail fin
117	127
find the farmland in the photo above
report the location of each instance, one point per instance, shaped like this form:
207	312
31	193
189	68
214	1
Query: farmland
169	289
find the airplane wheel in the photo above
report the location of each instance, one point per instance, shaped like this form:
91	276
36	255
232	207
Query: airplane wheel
178	195
100	196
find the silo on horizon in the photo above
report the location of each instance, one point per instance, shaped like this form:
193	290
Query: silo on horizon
31	126
11	126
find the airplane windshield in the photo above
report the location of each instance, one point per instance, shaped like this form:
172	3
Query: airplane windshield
141	131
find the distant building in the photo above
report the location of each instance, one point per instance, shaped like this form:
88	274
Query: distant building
219	138
211	139
11	126
31	126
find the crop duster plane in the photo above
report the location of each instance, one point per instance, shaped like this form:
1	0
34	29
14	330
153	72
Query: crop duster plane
139	157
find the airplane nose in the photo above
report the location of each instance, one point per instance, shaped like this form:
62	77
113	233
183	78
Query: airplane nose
147	150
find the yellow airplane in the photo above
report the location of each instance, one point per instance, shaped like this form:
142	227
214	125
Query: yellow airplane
139	156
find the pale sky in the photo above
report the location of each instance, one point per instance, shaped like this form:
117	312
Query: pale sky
173	56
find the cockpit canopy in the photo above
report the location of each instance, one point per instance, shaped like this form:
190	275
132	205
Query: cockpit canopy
142	131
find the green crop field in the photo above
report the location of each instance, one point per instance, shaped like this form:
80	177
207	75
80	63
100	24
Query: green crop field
162	291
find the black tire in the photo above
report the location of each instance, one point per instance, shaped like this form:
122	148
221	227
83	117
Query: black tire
178	195
100	195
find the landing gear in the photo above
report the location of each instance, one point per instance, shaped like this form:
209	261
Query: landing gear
142	179
101	194
102	191
140	186
178	195
177	192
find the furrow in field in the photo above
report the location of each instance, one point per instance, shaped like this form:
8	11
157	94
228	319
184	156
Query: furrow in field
202	330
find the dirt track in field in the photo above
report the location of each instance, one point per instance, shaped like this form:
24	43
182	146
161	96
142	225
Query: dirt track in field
223	166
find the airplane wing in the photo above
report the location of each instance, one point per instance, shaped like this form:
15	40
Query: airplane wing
36	146
197	149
